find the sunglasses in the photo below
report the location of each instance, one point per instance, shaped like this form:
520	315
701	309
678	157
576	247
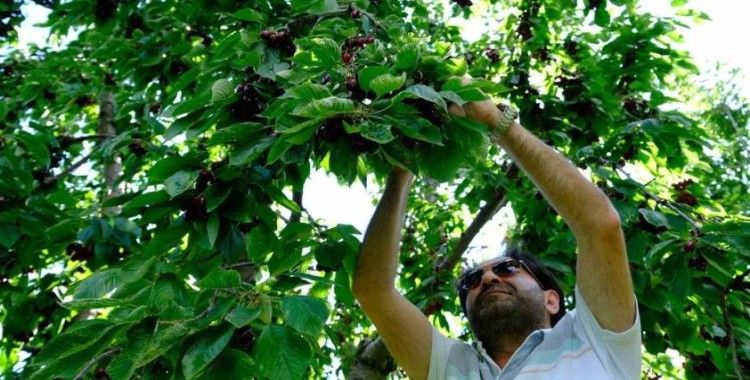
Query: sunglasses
473	278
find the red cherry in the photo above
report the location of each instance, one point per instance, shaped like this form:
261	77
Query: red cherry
351	82
689	246
266	34
346	57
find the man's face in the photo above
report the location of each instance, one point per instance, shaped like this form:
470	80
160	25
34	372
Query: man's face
501	289
508	303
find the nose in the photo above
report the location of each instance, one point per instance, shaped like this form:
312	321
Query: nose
489	277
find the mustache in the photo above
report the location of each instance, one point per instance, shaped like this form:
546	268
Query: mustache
501	287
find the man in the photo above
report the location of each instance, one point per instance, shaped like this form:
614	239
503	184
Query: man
512	302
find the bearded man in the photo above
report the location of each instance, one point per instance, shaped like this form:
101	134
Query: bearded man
513	303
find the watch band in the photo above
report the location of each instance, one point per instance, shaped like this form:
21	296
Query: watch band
507	115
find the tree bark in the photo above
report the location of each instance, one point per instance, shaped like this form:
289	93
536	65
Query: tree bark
111	169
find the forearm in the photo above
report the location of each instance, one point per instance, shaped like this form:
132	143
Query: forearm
583	206
378	258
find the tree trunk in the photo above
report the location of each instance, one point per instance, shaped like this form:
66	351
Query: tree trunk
113	166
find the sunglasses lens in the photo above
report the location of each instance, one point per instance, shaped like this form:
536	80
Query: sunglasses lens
472	279
505	268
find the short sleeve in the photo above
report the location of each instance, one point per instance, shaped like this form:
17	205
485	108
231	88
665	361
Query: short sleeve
620	352
441	348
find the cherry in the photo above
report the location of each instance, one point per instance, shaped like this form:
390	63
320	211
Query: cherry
351	82
689	246
205	177
346	57
492	54
137	148
686	198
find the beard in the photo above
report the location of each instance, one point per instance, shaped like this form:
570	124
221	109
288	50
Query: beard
503	320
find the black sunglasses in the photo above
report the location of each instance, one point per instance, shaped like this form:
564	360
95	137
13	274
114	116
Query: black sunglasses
473	278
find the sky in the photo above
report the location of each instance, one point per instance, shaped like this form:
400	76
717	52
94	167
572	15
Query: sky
717	41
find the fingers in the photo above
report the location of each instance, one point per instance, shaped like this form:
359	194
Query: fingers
456	110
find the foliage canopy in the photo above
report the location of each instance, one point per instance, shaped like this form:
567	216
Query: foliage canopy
185	250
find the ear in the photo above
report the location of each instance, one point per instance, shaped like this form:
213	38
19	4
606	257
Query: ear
551	301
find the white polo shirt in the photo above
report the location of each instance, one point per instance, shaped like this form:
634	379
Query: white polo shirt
577	347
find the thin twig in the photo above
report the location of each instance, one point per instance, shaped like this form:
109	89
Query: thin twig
730	332
93	361
65	142
69	170
658	199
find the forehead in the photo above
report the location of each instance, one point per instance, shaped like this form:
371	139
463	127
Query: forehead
491	261
486	263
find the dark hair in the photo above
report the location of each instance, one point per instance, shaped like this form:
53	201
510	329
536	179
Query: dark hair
547	280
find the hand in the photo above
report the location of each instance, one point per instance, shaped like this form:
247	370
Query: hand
483	111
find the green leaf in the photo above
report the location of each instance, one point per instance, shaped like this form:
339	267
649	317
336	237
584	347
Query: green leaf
9	234
147	199
123	366
654	217
326	52
424	92
310	91
167	239
305	314
249	14
231	364
220	279
260	241
330	255
232	246
249	153
407	59
386	83
99	284
170	165
215	196
164	339
76	338
282	354
204	351
324	108
314	6
234	134
367	74
378	132
212	228
180	182
35	144
222	89
601	16
282	199
242	316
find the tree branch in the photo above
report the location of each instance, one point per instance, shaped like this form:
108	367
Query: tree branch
730	333
66	141
93	361
69	170
485	215
297	198
658	199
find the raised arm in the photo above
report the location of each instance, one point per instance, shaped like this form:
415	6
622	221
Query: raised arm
404	329
602	270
